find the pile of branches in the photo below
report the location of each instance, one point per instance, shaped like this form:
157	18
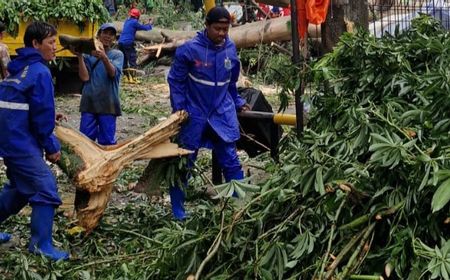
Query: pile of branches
75	11
363	195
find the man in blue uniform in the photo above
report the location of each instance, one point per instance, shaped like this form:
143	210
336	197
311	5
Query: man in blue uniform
27	120
100	73
202	82
127	37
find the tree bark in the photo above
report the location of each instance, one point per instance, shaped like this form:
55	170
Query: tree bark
80	44
343	16
333	27
358	12
94	168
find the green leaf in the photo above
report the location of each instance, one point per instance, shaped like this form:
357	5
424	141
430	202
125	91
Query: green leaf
319	181
291	264
441	197
444	272
268	256
425	177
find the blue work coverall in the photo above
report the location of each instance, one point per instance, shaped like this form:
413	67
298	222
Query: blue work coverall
202	82
27	120
126	40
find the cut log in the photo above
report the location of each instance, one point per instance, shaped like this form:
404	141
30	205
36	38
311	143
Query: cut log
94	168
79	44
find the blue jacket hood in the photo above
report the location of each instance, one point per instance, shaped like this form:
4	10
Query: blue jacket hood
26	56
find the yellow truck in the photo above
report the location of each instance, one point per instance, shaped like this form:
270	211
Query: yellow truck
63	27
66	68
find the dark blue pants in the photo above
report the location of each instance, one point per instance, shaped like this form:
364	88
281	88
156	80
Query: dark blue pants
100	128
228	161
129	56
30	181
226	155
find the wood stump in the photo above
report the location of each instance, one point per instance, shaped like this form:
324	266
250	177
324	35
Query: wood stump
94	168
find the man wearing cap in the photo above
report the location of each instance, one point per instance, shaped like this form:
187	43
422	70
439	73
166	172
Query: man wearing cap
100	73
202	82
127	37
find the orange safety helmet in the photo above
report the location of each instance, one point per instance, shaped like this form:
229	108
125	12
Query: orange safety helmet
134	13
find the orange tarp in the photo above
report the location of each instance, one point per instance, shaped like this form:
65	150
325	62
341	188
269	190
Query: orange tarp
316	11
310	11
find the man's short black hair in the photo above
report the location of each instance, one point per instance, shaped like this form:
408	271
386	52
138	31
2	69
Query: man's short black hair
38	30
2	27
218	14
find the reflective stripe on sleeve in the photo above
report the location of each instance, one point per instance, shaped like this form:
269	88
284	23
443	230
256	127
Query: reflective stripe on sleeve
207	83
17	81
14	106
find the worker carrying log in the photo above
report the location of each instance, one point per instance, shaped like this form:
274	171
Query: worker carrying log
100	73
27	121
128	35
202	81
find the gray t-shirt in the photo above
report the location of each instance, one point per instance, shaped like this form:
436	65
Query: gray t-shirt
100	94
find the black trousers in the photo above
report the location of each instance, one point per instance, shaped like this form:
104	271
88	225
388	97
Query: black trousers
130	56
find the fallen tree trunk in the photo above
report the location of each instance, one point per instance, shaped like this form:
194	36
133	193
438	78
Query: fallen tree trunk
247	35
94	168
156	34
244	36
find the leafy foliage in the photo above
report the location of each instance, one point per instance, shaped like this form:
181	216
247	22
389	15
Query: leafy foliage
379	124
272	67
360	184
363	193
170	14
76	11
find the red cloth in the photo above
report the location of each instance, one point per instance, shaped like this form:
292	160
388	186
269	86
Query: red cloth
286	11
